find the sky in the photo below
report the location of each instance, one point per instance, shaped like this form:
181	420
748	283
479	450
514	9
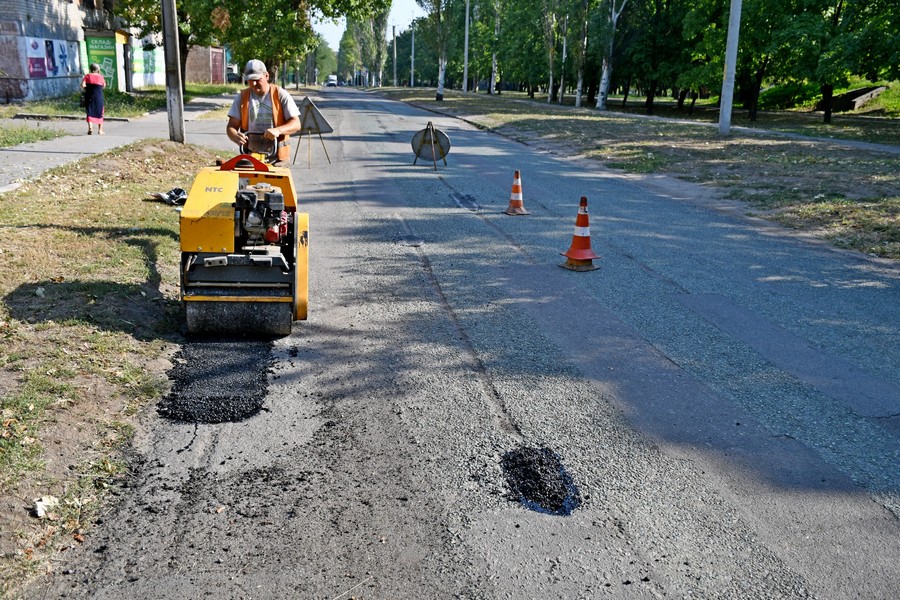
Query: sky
402	14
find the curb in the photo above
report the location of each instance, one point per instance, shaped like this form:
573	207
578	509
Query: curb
44	117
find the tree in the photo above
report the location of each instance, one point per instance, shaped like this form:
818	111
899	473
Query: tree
271	30
614	12
483	44
872	45
349	58
815	33
379	29
565	39
550	23
438	38
862	38
495	43
287	32
658	53
326	58
705	30
361	31
522	52
579	49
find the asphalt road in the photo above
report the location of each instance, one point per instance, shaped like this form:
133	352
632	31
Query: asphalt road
718	404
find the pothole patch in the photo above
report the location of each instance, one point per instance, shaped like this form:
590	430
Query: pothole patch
538	479
218	380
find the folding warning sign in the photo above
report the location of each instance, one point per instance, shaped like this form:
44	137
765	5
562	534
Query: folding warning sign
311	121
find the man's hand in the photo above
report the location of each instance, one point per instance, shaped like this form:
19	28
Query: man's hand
240	138
234	133
272	133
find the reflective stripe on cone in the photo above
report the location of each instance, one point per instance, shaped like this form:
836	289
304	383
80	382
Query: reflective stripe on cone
580	255
516	203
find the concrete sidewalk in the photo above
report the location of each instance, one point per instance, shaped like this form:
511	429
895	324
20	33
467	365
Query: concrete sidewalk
26	161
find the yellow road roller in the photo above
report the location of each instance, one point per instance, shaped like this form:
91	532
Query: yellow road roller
244	250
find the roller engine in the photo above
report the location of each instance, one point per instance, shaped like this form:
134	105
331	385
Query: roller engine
261	217
244	250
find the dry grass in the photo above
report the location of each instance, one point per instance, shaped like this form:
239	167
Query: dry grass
847	196
89	313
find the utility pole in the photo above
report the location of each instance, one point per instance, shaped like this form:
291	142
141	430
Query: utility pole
174	98
412	58
731	50
394	27
466	53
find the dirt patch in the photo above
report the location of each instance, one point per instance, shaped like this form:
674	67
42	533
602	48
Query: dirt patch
73	434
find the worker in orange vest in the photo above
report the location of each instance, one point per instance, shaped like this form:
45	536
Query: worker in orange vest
255	121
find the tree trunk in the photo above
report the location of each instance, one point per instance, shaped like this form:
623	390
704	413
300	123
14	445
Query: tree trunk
562	68
582	53
603	93
494	53
627	90
310	75
757	86
651	93
682	96
550	87
550	39
183	49
753	103
442	71
827	93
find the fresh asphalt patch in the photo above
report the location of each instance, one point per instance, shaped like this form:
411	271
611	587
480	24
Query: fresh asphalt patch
539	480
218	380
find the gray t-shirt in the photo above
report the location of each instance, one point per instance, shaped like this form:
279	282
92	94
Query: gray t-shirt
260	110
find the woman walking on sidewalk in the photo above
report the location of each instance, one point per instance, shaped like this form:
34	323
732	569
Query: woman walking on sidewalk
93	84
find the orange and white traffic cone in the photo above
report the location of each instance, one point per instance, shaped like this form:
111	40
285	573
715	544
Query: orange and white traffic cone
516	204
580	256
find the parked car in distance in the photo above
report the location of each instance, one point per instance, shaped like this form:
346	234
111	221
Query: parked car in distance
331	81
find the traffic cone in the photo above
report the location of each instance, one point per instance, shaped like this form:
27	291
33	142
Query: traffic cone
516	205
580	256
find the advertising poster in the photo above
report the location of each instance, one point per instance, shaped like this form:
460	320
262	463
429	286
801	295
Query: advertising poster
65	58
52	66
102	50
36	54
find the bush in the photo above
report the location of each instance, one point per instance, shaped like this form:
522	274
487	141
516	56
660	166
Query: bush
788	95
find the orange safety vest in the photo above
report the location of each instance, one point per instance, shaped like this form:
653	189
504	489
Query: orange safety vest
284	151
